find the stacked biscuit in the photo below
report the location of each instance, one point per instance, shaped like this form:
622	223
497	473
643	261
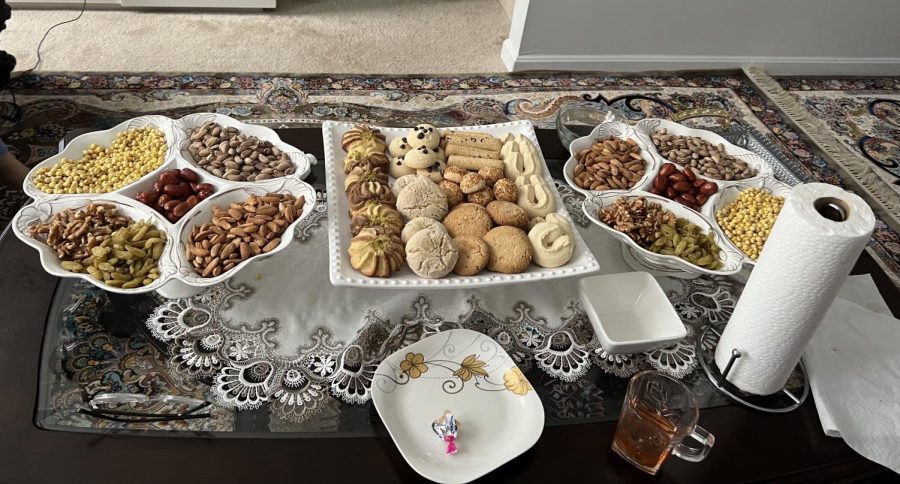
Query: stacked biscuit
468	201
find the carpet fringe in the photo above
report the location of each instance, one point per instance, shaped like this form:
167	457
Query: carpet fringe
859	174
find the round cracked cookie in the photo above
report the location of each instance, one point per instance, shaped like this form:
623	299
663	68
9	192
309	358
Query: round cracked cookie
401	182
431	254
376	253
508	213
399	146
421	157
468	219
424	135
474	255
418	224
422	199
510	249
454	194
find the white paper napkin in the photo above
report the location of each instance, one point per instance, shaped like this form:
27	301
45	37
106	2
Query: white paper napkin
854	370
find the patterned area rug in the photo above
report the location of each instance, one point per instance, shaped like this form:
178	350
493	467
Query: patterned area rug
863	113
57	103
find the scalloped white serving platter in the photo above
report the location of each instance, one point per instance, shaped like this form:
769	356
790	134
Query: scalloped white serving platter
177	277
342	274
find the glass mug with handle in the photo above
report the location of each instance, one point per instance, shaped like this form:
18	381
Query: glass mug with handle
658	413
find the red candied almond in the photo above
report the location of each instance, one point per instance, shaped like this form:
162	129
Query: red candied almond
189	175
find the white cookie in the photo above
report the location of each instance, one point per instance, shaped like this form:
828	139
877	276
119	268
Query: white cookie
535	196
398	168
434	172
401	182
424	135
422	199
420	223
431	254
421	157
552	241
399	146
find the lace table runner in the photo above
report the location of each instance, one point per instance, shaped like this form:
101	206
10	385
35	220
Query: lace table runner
279	334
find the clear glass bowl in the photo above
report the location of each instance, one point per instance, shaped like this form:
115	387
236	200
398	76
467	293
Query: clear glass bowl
578	119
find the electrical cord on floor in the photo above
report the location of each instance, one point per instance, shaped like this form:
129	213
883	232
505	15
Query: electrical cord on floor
41	43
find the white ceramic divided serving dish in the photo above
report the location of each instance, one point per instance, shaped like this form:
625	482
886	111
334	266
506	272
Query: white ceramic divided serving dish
646	127
728	194
731	257
603	131
342	274
630	312
177	277
499	414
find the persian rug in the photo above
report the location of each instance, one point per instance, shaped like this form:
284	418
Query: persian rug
57	103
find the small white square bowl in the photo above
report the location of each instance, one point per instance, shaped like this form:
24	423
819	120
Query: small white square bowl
630	312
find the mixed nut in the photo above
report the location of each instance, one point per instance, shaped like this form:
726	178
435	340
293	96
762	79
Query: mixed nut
241	231
658	230
704	157
99	241
227	153
175	193
683	187
610	164
134	153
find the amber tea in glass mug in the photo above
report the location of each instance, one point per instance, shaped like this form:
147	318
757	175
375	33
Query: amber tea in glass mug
658	413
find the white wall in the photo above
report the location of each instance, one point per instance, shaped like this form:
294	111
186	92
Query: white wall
785	36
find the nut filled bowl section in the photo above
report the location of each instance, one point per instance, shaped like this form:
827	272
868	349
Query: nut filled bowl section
612	157
663	232
179	199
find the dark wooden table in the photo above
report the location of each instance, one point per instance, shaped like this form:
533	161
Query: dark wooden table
750	446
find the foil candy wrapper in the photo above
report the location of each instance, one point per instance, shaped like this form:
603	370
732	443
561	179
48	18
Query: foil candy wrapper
446	427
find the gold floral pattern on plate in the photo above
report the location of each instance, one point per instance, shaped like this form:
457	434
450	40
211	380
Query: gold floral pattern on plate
414	365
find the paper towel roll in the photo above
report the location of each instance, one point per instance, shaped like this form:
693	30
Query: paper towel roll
805	261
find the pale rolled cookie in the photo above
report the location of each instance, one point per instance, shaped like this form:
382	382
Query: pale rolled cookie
472	163
431	254
535	196
462	150
472	138
552	241
422	199
418	224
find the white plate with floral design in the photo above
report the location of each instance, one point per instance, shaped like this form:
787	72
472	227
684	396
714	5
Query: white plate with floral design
499	414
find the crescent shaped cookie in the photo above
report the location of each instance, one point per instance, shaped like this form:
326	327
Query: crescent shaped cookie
552	241
535	196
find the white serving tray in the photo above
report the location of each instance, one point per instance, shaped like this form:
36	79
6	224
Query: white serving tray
177	277
342	274
496	424
731	257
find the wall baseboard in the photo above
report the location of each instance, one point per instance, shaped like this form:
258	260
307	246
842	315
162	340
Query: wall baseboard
849	66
